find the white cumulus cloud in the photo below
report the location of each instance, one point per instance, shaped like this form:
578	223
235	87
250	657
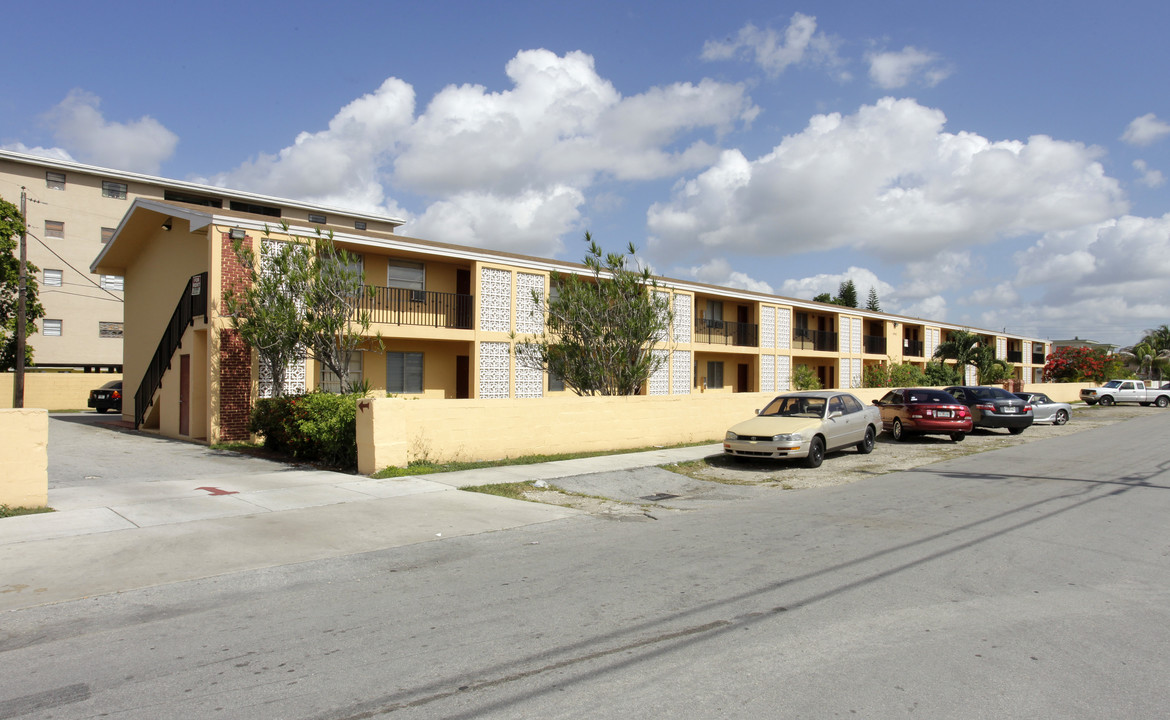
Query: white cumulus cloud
1149	177
896	69
1145	130
773	51
718	271
888	179
140	145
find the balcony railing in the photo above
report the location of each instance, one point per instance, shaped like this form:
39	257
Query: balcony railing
912	348
1038	358
721	332
401	306
1015	356
874	344
806	339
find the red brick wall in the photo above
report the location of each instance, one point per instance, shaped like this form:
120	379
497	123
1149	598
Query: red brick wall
235	359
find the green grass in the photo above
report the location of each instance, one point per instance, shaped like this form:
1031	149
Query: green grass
426	467
6	511
512	490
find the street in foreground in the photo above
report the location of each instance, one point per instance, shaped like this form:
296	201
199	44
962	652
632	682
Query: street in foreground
1028	582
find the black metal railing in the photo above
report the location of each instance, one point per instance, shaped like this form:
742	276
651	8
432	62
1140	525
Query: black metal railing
874	344
1015	356
192	303
1038	358
912	348
723	332
401	306
806	339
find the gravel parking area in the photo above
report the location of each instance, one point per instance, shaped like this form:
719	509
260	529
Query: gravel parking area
606	496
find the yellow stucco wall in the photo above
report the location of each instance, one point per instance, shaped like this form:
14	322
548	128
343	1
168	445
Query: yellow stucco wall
54	391
24	449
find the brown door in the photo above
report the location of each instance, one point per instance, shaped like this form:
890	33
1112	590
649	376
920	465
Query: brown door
741	378
184	394
463	312
462	377
742	331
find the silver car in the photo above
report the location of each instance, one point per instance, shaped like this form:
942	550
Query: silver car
1045	409
805	425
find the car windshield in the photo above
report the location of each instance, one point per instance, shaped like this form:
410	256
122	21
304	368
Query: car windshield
811	407
929	397
1113	384
987	393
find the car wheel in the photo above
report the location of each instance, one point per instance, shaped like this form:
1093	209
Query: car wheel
865	447
1107	400
1090	403
1162	401
1015	431
816	453
1061	417
897	431
958	436
101	410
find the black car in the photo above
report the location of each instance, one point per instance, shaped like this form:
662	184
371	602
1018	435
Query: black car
107	397
994	407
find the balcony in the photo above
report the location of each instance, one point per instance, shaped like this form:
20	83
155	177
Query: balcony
423	308
874	344
1015	356
721	332
1038	358
913	348
820	340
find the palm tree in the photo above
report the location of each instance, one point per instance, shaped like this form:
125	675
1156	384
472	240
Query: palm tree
1148	360
963	347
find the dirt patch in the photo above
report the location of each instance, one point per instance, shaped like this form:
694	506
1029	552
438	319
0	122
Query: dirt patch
841	467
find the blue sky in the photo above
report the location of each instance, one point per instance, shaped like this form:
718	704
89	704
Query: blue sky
997	165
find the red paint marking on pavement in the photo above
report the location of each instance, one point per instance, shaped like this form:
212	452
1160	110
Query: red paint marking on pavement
217	491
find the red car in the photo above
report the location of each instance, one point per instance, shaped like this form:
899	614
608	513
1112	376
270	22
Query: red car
914	411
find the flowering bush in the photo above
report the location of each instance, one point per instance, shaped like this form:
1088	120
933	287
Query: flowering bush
1079	364
318	426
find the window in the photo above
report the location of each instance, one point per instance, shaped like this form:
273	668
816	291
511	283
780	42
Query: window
255	209
110	329
192	199
112	282
404	372
359	224
50	328
714	310
404	274
54	229
556	383
107	235
852	404
114	190
55	180
331	383
52	278
318	218
715	374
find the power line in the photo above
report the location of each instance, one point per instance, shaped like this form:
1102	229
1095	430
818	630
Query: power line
74	269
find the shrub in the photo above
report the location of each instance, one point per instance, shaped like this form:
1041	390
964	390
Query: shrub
884	375
803	378
319	426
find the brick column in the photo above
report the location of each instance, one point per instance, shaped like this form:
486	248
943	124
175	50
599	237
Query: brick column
235	358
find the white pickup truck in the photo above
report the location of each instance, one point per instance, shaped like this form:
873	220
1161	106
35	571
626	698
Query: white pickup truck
1126	391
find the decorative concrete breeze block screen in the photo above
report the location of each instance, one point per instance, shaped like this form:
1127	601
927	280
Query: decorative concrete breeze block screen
680	368
783	329
495	367
767	373
660	378
495	300
682	321
767	326
529	312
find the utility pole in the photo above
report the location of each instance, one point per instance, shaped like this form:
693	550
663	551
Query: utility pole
18	378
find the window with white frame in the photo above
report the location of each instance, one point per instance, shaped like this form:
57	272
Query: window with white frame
715	374
54	180
406	274
404	372
52	278
116	190
359	224
50	328
112	282
55	228
318	218
331	383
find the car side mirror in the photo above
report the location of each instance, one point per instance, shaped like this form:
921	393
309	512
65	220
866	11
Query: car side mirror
757	411
835	414
877	402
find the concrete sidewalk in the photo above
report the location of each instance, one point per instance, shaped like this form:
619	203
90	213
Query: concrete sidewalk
111	537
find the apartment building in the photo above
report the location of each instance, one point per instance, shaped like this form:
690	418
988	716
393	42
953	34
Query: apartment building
447	319
72	212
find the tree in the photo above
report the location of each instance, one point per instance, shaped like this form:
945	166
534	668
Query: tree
991	369
940	375
11	227
825	298
847	294
872	303
599	332
1077	364
269	312
1149	362
803	378
963	347
890	375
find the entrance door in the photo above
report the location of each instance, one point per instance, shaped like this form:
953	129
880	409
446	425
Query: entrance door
184	394
463	312
741	378
742	331
462	377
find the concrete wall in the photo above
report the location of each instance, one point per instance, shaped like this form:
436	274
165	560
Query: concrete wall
24	449
55	391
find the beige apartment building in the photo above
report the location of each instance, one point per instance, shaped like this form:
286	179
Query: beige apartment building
72	212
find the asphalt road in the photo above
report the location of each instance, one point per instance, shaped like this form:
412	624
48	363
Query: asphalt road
1030	582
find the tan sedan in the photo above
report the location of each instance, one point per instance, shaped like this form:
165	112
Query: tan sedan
805	425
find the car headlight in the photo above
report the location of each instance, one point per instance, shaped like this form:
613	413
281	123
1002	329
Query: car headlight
787	437
730	436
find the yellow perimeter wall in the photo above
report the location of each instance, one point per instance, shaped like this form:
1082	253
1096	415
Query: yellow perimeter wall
396	431
24	447
57	391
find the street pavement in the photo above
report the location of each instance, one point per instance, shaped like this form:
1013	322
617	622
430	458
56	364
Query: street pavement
136	510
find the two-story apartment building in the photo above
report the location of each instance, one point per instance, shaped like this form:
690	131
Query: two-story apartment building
72	210
448	318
